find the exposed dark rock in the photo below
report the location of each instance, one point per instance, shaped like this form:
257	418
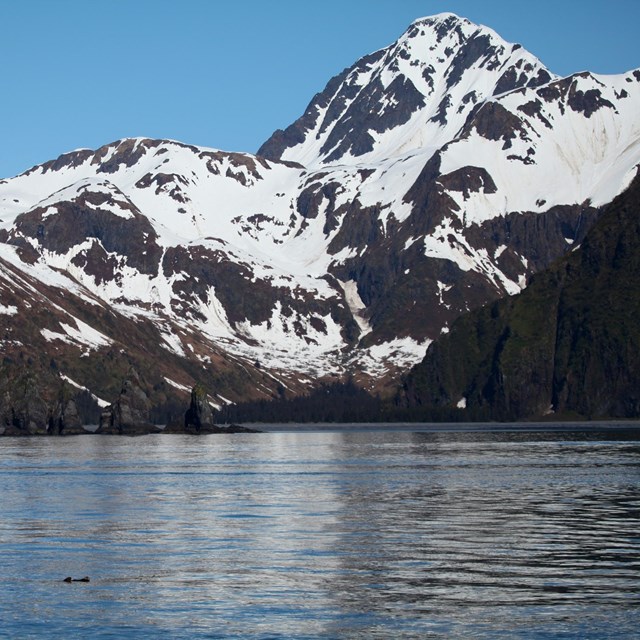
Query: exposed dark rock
538	238
132	237
535	108
516	77
311	198
122	152
469	180
243	296
351	111
315	195
23	412
587	102
254	224
565	92
34	403
425	194
361	227
295	133
350	133
65	418
96	262
237	428
165	183
66	160
427	75
129	414
441	115
492	121
199	416
467	55
442	28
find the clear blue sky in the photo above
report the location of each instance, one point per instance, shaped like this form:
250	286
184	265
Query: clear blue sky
226	74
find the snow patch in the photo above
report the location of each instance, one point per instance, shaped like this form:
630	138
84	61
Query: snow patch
499	251
401	353
101	403
8	310
177	385
356	306
173	343
82	334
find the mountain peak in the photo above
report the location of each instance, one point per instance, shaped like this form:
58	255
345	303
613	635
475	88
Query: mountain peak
413	94
446	19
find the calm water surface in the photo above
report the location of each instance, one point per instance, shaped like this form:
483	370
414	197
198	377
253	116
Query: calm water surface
322	535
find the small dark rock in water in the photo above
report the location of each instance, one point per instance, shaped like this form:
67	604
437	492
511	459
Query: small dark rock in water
238	428
70	579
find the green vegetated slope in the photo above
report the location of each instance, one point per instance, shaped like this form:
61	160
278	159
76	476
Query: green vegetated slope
567	346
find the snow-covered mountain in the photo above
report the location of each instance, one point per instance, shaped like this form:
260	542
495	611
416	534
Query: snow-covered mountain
428	178
411	96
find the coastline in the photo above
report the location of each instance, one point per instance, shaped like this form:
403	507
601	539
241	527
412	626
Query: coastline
631	427
450	427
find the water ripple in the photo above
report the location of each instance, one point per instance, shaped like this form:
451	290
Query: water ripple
321	535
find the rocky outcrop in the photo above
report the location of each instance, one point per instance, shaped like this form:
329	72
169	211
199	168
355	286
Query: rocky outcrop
96	210
23	412
199	418
129	414
36	403
65	418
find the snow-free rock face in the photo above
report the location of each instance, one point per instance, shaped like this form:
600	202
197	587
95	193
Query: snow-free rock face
130	413
425	180
23	412
199	414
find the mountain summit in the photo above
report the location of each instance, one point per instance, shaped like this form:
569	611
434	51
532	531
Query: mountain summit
429	178
415	94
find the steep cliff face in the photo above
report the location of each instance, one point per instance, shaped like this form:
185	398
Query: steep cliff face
428	179
36	402
130	414
568	345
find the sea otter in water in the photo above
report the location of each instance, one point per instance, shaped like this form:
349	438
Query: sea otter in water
70	579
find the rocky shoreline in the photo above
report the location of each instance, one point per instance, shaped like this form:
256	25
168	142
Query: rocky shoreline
24	412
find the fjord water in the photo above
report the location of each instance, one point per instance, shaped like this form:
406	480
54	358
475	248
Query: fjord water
322	535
